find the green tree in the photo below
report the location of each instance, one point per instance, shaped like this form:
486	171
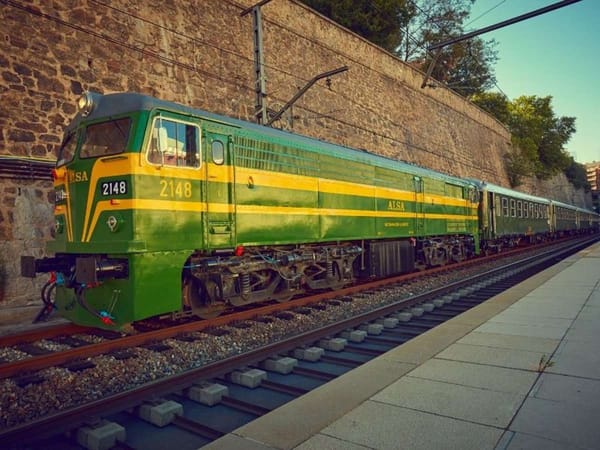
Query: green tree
495	104
538	135
408	27
577	175
378	21
466	67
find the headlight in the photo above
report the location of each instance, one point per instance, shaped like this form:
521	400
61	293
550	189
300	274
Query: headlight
85	103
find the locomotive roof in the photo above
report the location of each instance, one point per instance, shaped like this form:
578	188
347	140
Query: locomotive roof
127	102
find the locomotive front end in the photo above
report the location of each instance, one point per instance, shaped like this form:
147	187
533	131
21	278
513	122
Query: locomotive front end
100	265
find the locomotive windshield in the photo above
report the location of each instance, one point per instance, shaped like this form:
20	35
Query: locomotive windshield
67	150
105	138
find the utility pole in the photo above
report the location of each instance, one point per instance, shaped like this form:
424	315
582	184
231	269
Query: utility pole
260	89
261	112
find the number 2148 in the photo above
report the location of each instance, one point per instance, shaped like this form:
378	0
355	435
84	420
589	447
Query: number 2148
179	189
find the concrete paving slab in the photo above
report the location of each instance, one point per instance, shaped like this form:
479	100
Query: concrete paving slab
523	330
514	316
519	441
568	389
557	311
281	428
321	442
577	358
584	330
231	441
576	426
391	427
499	340
594	299
515	359
482	406
558	292
480	314
423	347
583	271
496	379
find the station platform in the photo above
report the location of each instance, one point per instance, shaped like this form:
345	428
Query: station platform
521	370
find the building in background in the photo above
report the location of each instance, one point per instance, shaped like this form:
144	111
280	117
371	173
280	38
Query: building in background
593	177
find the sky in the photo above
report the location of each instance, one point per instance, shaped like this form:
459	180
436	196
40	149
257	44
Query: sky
556	54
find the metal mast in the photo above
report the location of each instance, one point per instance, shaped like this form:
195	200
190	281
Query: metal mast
260	107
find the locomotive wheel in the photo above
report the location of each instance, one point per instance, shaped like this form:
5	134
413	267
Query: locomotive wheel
201	298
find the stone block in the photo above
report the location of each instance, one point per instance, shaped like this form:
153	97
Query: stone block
447	298
388	322
403	316
373	329
428	306
250	378
354	335
101	437
162	414
283	364
309	354
208	394
333	344
417	311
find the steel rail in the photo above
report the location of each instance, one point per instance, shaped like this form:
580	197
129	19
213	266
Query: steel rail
66	420
35	363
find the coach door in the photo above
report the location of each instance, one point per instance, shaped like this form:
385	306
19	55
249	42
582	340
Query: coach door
220	210
419	213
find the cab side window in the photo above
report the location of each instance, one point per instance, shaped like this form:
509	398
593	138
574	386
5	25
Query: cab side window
174	143
218	152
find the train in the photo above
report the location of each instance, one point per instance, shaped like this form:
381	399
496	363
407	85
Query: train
163	210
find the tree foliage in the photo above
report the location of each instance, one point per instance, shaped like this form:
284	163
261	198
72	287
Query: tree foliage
577	175
466	67
408	27
538	135
378	21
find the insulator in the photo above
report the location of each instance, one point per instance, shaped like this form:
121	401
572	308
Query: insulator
329	267
245	283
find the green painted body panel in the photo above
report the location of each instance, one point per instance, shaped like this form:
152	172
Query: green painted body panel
153	288
516	225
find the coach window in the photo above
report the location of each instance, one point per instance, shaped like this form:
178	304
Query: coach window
531	210
526	209
504	206
174	144
218	152
520	209
513	208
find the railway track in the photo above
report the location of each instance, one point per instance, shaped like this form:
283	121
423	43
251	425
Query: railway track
69	344
367	334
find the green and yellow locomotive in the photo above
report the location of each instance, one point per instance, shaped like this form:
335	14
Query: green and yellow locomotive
164	209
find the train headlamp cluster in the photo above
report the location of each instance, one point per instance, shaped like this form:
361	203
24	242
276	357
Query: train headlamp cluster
85	103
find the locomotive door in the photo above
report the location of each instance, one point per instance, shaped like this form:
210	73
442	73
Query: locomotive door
220	209
419	212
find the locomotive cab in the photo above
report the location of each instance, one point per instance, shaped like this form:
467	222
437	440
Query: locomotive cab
115	234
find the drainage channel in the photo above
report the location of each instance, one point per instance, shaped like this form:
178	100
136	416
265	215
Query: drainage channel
196	415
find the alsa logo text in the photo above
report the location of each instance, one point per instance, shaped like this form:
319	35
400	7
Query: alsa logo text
77	176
